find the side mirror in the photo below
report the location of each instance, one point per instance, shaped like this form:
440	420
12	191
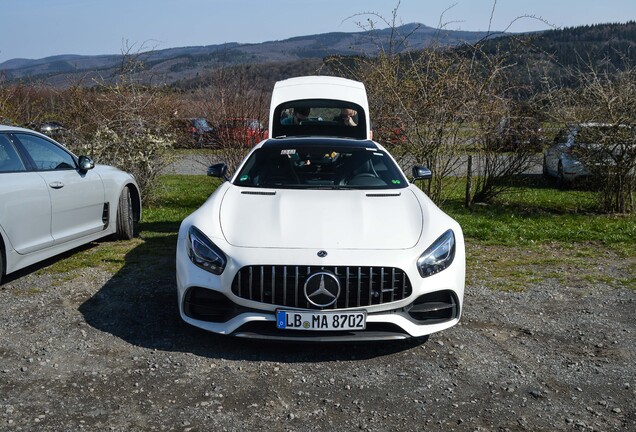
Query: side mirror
85	163
421	173
218	170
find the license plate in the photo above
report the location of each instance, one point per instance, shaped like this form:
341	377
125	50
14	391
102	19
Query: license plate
326	320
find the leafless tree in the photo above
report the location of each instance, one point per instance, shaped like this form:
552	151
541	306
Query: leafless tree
438	105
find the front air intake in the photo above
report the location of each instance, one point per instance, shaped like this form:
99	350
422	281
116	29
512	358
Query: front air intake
435	307
208	305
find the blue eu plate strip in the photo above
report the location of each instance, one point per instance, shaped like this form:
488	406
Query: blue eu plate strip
280	317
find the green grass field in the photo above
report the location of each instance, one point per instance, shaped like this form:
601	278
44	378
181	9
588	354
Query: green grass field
531	232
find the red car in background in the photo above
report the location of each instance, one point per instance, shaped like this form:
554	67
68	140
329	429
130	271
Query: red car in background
241	130
390	131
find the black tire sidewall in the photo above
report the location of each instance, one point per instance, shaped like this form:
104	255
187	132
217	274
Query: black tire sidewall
125	229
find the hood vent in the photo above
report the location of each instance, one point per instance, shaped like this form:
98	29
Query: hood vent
383	195
258	193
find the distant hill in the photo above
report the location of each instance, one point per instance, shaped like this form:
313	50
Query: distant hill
534	56
611	42
171	65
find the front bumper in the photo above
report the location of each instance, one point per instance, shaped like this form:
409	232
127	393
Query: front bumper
213	311
433	304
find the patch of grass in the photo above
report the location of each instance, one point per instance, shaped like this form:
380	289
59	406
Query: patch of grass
28	292
105	255
514	268
177	197
537	212
531	234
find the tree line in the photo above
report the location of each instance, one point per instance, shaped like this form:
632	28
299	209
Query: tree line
435	106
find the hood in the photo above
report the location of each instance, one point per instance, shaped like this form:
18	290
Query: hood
325	219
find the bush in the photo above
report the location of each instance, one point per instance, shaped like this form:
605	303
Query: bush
142	153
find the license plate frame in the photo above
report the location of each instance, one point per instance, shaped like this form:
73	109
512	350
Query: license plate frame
353	320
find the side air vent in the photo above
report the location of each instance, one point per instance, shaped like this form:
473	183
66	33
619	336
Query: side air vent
106	215
436	307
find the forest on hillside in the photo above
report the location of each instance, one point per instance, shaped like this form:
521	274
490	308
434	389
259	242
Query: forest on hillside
431	105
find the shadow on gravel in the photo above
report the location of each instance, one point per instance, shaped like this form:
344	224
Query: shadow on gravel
47	262
139	305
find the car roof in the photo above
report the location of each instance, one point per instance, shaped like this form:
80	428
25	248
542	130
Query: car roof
5	128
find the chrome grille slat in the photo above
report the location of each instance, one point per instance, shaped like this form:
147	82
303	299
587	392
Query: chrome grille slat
251	284
393	285
382	291
296	290
285	285
273	284
359	283
347	288
359	286
371	286
262	284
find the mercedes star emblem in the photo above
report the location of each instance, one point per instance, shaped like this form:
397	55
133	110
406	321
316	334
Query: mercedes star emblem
322	289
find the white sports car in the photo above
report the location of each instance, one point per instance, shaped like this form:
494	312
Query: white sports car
319	235
52	201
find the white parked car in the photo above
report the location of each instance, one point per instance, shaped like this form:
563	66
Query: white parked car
560	160
589	149
319	235
52	201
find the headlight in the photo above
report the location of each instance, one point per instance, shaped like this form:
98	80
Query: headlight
438	256
203	253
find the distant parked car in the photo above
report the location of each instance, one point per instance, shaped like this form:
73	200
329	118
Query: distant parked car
52	201
589	149
391	131
242	130
50	128
561	160
195	133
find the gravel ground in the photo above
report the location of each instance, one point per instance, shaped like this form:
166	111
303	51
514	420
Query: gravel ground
96	351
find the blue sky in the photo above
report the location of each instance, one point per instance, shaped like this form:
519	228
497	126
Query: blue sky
40	28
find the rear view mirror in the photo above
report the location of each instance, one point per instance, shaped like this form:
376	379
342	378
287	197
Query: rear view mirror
421	173
218	170
85	163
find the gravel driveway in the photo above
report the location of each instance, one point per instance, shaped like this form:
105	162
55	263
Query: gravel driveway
93	350
96	351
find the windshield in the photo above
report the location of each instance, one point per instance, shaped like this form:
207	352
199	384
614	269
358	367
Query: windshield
201	123
320	167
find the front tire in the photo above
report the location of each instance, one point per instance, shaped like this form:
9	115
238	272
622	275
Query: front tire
561	182
125	225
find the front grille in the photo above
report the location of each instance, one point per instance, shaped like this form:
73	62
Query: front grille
284	285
